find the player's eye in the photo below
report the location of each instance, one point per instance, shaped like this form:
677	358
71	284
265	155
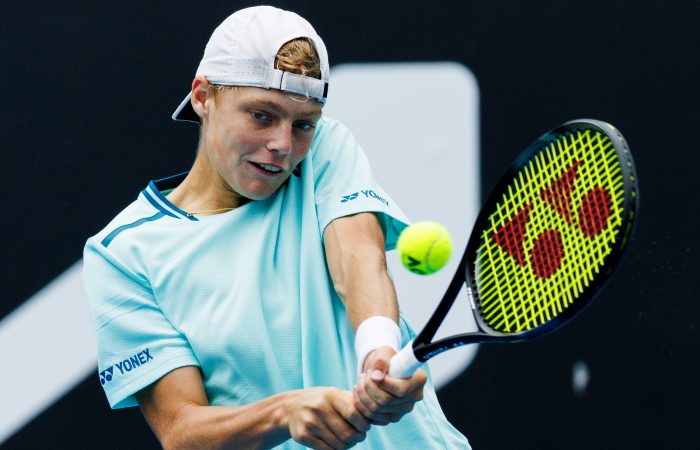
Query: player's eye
305	126
258	115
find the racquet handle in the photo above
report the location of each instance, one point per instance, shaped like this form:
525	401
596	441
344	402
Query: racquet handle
404	363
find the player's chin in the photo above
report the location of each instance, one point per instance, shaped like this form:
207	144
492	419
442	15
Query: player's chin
260	190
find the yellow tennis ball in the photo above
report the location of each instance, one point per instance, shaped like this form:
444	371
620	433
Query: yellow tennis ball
424	247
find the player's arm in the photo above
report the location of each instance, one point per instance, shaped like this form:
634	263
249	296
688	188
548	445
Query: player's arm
357	264
177	409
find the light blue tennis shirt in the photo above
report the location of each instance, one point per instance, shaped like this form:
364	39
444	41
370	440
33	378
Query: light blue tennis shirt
244	295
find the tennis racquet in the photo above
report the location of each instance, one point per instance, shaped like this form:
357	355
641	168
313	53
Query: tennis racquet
545	242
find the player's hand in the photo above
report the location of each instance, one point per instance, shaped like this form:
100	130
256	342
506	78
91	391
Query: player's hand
383	399
325	418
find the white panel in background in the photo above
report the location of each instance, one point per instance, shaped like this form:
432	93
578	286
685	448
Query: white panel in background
418	124
47	346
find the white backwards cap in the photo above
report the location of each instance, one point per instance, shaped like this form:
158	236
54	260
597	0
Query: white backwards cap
242	51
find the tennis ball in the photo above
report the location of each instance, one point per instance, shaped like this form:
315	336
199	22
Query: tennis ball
424	247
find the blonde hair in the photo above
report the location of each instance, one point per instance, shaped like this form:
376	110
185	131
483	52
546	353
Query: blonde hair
296	56
299	56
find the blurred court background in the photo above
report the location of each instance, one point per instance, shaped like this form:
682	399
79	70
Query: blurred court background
88	88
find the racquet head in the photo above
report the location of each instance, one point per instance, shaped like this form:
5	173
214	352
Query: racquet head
552	231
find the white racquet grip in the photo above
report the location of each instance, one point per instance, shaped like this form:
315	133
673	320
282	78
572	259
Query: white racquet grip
404	363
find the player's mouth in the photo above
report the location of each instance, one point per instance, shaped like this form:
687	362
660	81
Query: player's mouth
267	169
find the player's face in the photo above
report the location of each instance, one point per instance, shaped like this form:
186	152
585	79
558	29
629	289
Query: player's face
255	137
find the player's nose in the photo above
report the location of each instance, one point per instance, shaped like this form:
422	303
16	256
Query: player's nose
281	139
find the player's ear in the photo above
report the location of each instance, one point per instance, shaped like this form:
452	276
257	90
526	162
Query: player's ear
200	94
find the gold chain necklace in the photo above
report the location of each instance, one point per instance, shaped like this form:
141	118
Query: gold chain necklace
190	214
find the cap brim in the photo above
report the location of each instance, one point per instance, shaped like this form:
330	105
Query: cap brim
184	112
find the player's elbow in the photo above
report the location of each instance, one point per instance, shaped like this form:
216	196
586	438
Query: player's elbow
361	262
179	433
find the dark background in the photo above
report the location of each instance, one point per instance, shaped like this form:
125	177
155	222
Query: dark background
88	88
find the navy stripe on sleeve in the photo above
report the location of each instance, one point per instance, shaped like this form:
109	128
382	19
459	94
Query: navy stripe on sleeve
110	237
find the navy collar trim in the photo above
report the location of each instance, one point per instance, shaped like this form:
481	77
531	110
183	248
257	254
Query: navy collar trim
153	193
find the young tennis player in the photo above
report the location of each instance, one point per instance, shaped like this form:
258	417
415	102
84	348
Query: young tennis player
237	303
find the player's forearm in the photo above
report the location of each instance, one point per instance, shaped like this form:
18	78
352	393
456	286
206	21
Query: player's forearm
369	291
357	264
258	425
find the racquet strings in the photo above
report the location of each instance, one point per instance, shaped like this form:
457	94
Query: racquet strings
550	232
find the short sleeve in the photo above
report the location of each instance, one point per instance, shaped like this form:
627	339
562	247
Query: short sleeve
344	184
136	344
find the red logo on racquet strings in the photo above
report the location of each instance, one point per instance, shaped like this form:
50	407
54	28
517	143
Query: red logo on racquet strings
548	249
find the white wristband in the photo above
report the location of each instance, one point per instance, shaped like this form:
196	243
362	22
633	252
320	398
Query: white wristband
375	332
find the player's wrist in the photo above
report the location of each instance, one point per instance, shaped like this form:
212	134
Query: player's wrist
373	333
